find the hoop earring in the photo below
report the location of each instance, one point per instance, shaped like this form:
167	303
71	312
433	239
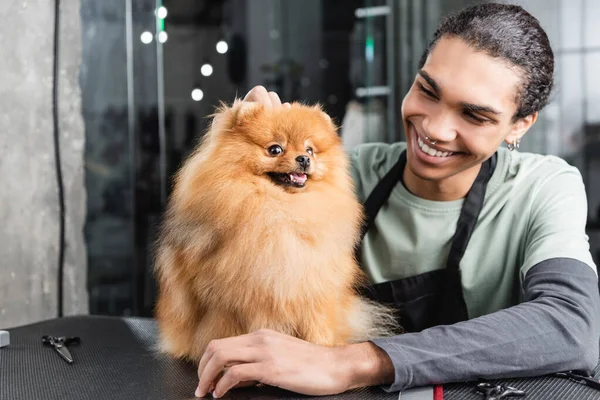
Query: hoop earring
514	145
429	140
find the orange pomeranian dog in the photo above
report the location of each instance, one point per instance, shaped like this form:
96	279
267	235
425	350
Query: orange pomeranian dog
260	233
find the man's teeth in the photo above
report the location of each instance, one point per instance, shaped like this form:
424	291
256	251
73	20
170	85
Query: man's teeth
432	152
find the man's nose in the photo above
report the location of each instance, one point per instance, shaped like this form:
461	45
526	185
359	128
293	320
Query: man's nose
440	127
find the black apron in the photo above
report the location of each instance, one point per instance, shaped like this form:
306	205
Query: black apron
435	297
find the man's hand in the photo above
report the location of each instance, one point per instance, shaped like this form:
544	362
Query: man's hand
260	95
283	361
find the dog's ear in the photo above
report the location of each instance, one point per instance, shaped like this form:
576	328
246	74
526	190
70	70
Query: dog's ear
323	114
227	117
245	111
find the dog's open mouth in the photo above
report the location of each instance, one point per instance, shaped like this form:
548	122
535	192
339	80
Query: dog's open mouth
293	179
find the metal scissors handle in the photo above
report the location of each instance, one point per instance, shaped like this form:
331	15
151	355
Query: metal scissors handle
496	392
581	377
60	343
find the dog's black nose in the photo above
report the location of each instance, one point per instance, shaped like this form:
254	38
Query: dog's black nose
304	161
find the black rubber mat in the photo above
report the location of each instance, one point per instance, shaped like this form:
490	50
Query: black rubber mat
116	360
542	388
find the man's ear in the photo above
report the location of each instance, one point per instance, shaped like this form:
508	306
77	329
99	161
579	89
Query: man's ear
520	128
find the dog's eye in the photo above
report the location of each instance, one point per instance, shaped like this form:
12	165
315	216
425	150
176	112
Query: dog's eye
309	150
275	150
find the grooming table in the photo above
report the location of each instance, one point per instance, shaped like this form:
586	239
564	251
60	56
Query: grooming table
116	360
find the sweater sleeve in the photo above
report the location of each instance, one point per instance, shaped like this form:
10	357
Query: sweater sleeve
556	328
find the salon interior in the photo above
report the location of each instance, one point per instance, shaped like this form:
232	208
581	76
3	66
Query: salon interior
138	80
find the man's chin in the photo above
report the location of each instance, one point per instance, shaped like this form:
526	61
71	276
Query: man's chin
427	174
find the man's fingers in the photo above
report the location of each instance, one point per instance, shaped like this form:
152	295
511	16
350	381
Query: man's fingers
218	360
215	345
244	384
286	105
260	95
275	100
235	375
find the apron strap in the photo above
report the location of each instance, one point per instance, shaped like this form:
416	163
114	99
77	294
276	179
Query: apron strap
378	198
381	193
468	215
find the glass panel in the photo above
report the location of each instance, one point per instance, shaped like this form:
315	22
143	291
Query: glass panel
108	168
369	78
119	100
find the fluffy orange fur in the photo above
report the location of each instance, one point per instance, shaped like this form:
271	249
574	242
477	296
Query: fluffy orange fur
239	252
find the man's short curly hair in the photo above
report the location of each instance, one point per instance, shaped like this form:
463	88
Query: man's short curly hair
510	33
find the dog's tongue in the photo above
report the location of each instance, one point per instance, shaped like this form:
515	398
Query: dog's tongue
298	178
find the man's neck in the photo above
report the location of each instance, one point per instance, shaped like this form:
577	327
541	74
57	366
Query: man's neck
452	188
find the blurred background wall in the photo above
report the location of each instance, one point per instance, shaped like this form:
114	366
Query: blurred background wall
29	206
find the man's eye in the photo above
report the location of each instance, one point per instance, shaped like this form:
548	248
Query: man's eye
426	91
275	150
476	118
